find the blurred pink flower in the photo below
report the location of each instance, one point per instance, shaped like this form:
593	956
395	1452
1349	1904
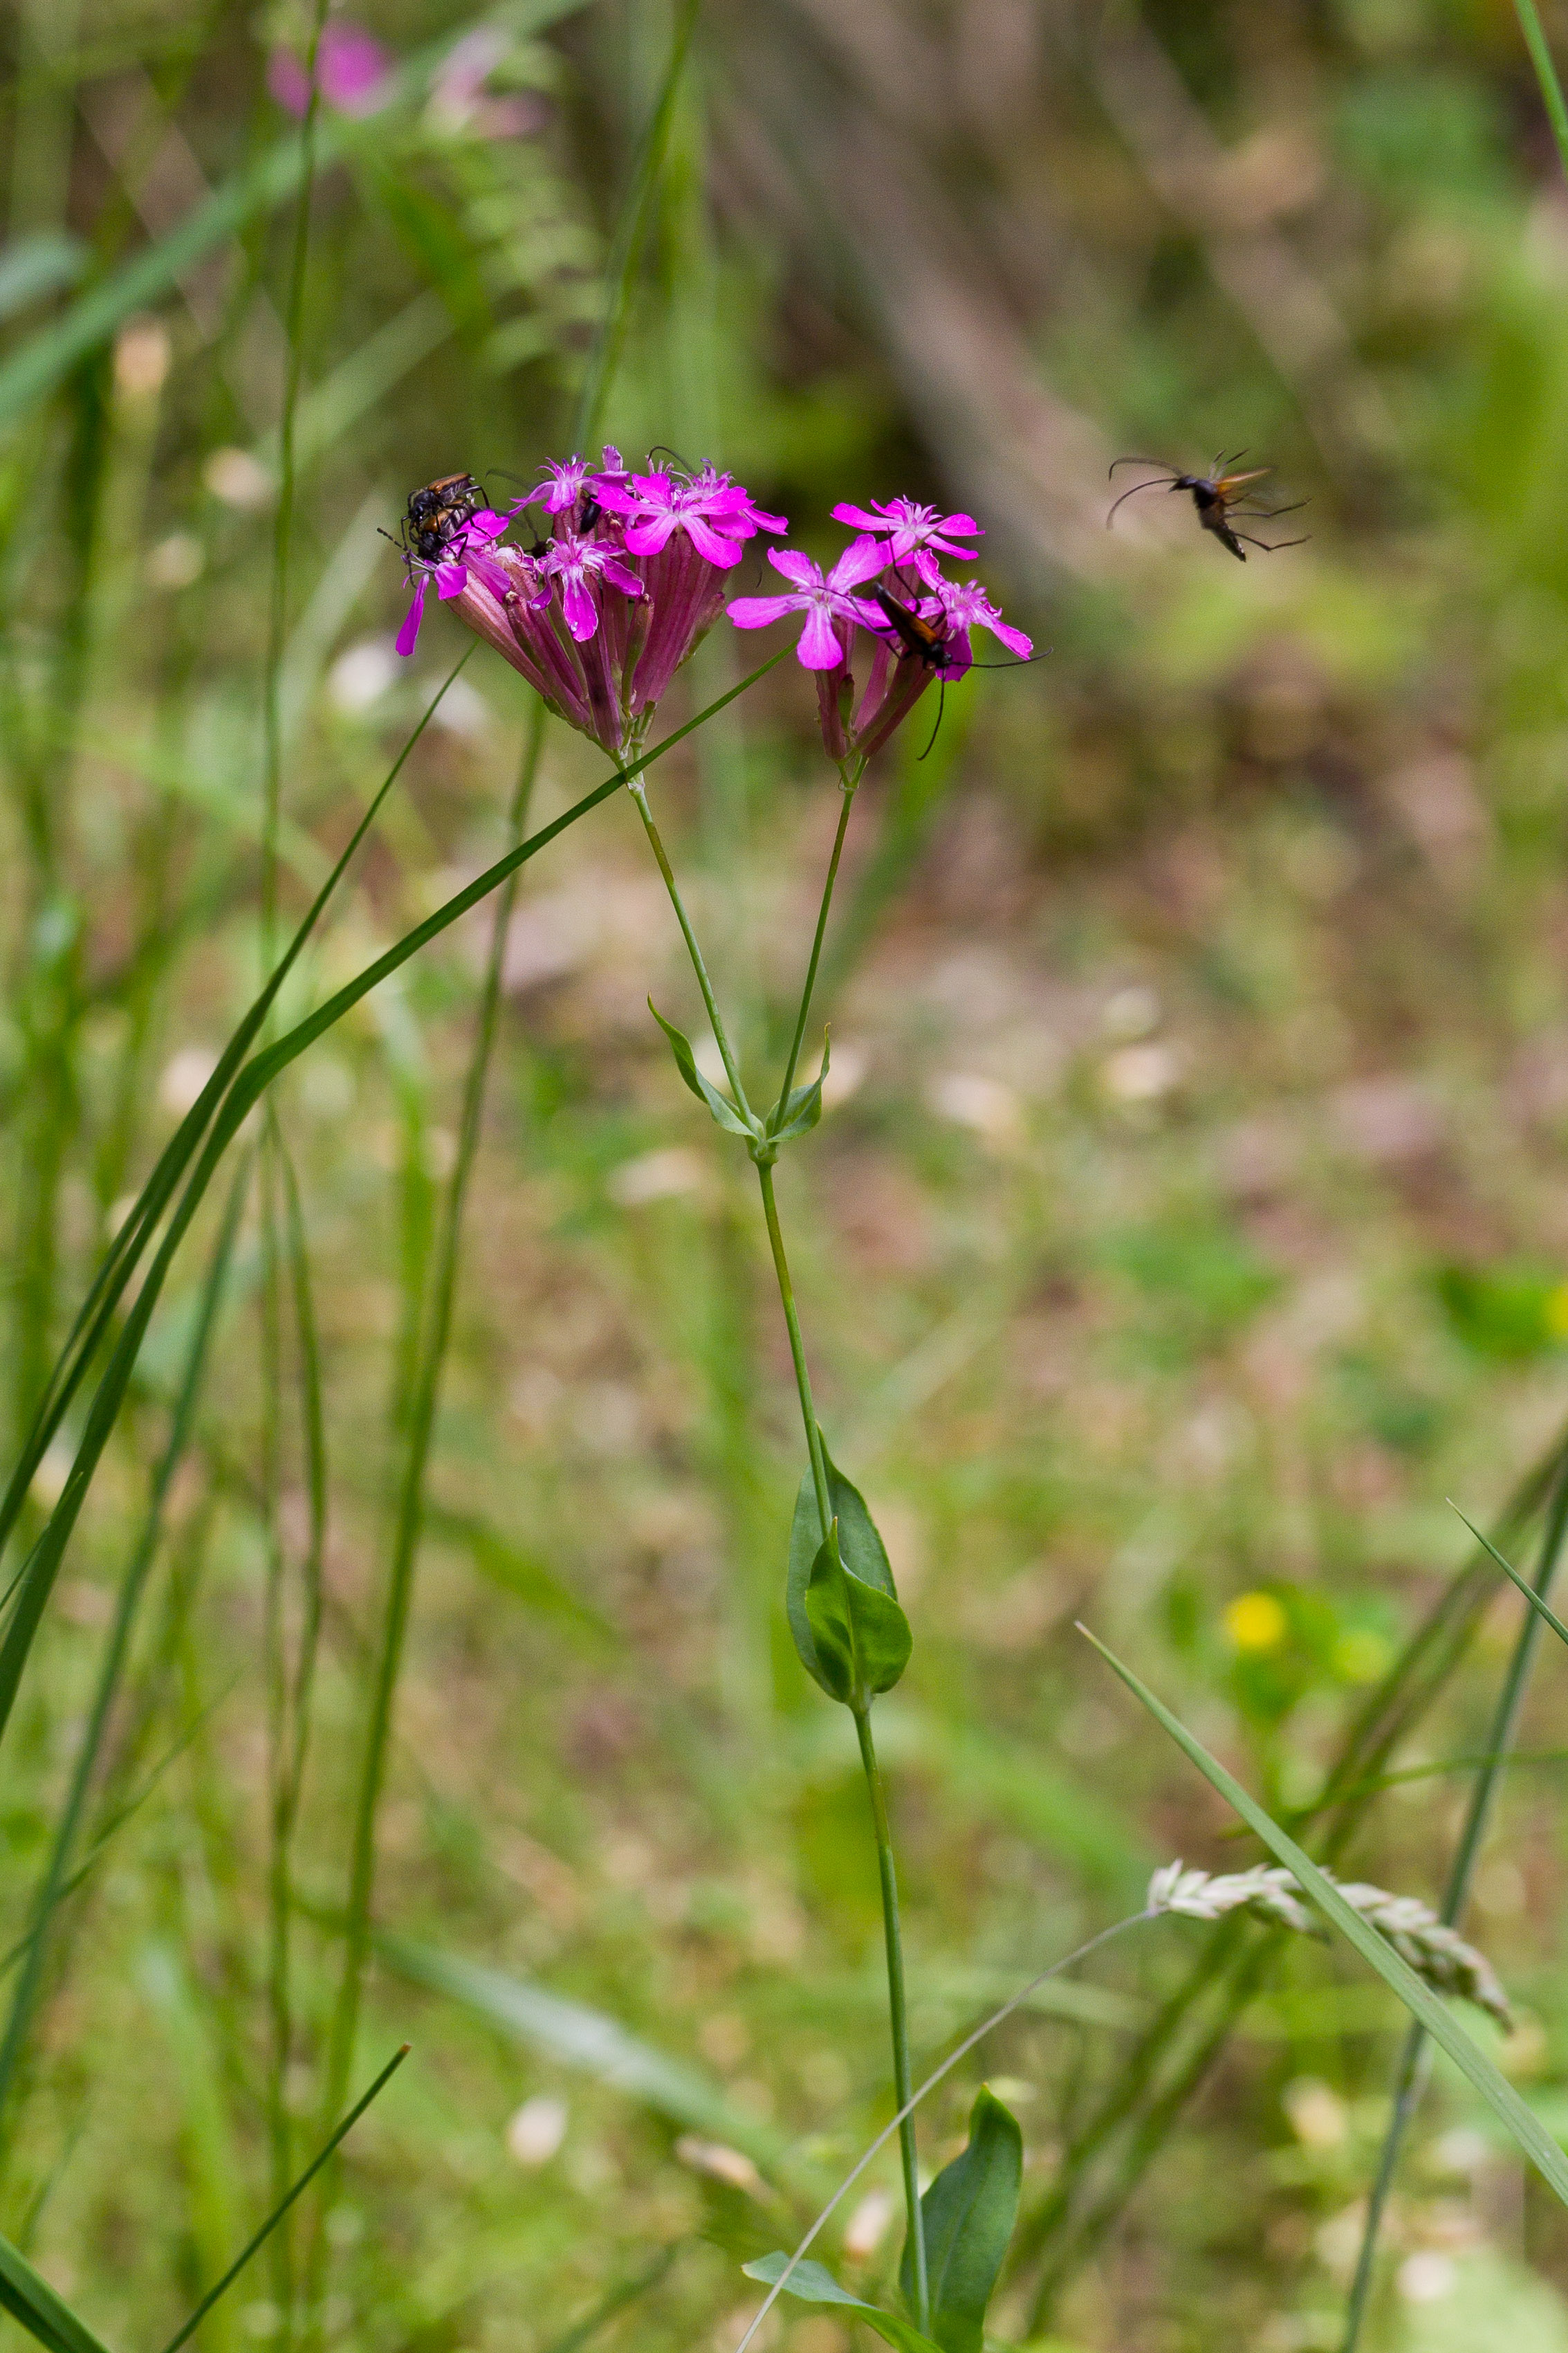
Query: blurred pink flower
459	101
914	533
353	73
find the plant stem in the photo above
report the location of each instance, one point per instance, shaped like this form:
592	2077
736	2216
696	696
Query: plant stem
897	2012
797	1351
639	792
1545	74
805	994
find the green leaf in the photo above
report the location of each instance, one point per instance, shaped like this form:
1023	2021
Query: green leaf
1529	1591
723	1109
814	2284
43	2314
881	1633
968	2215
31	265
1423	2004
827	1614
803	1108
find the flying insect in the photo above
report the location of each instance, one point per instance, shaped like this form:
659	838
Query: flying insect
1221	500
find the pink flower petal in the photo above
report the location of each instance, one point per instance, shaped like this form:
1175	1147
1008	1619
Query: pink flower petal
581	614
1013	639
756	612
407	634
795	566
451	579
767	521
487	524
707	543
819	647
621	576
648	533
861	561
859	516
960	654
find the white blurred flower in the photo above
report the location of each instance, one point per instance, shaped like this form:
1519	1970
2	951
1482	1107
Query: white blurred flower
537	2129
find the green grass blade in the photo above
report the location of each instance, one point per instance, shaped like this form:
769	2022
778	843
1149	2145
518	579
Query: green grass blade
37	1576
623	2292
1423	2004
134	1585
436	1325
593	2043
43	2314
341	2133
631	235
96	1313
1510	1698
1545	74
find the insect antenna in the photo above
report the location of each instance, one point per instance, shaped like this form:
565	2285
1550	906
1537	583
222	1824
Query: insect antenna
663	449
1140	461
940	708
1159	481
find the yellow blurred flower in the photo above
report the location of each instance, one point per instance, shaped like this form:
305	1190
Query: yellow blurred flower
1255	1621
1557	1312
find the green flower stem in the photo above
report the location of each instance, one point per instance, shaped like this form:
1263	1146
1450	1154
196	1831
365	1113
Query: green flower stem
639	792
897	2006
897	2012
797	1350
805	994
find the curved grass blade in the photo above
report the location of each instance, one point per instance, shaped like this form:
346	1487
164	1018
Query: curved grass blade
1108	2154
45	2315
1545	74
631	235
340	2133
96	1315
37	1578
52	1885
1423	2004
593	2042
436	1333
625	2291
1411	2072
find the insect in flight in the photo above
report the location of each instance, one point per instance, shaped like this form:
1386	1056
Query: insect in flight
1221	498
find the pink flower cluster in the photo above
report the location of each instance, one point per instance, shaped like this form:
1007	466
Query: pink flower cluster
916	629
600	615
629	572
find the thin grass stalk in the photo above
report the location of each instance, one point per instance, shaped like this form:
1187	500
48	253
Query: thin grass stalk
52	1884
1545	74
33	1585
95	1317
631	235
1410	2075
424	1405
253	2246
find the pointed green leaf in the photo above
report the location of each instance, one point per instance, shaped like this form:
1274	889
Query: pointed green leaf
43	2314
968	2215
815	2284
723	1109
1423	2004
881	1631
827	1615
804	1109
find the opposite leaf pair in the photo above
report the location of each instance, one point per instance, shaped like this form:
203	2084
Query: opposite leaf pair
966	2218
795	1114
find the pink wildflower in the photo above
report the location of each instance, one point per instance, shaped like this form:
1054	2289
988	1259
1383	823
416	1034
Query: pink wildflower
715	513
353	70
459	101
915	535
828	600
464	554
966	606
575	562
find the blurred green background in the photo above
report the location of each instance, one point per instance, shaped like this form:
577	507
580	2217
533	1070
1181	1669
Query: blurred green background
1187	1226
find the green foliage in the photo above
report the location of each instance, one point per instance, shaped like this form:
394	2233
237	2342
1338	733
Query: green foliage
1509	1313
840	1590
812	2284
968	2215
